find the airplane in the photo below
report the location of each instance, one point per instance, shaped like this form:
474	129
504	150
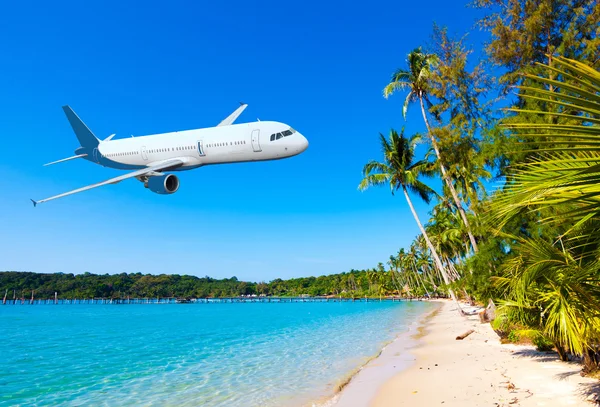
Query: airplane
151	157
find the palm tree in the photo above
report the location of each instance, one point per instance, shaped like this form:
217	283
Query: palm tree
394	264
412	258
399	170
555	291
552	284
372	276
416	79
423	261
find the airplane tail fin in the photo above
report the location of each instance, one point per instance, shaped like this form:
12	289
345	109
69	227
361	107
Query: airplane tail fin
83	133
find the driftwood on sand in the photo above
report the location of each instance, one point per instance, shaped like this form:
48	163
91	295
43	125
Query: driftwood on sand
463	336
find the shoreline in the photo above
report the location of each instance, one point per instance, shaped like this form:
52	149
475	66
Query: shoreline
394	358
361	385
433	368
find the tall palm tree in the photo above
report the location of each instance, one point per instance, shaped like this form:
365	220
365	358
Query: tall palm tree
416	80
401	172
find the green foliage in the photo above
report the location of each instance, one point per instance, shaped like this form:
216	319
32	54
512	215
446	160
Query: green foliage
355	283
514	337
502	325
551	281
402	172
525	32
542	343
534	241
415	79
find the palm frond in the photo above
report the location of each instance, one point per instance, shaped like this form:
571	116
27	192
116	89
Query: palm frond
373	180
566	167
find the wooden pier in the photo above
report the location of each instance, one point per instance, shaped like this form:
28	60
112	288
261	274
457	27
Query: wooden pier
173	300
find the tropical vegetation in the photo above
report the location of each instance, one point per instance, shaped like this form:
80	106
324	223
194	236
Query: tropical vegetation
515	141
371	283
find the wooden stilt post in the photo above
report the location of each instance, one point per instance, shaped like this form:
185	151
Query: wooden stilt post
55	297
4	299
31	297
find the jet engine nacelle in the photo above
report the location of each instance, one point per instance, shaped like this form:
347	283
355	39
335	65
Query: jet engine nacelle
163	184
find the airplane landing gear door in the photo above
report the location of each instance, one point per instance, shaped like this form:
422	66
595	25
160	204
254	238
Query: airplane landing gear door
256	141
201	152
97	155
144	154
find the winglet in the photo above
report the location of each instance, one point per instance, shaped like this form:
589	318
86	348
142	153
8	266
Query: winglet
34	203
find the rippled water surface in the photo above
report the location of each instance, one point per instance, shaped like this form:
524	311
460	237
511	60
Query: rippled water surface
189	354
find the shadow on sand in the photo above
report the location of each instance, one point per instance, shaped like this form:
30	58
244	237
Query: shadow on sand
589	391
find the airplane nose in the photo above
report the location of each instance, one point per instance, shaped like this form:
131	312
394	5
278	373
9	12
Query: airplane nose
303	143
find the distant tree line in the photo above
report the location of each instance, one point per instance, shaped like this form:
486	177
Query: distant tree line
355	283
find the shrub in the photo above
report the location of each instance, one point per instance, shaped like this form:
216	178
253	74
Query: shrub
542	343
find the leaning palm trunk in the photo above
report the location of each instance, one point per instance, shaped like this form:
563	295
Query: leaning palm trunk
394	281
434	254
447	179
419	279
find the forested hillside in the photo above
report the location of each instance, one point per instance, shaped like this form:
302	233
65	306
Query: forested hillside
353	283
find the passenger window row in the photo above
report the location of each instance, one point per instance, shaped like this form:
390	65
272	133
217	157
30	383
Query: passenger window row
183	148
283	134
156	150
166	150
230	143
121	154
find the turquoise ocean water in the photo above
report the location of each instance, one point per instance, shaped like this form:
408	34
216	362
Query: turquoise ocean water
189	354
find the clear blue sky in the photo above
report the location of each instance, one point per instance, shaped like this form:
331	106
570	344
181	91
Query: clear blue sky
155	67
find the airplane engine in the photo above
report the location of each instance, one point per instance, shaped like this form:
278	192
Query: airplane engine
163	184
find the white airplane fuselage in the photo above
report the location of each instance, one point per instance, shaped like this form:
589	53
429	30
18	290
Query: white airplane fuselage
215	145
151	158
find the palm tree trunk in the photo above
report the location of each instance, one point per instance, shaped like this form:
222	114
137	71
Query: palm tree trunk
434	254
395	280
420	279
433	284
447	180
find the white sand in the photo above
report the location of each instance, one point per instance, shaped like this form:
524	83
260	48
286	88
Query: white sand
477	371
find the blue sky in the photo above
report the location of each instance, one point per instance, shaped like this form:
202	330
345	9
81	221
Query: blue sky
151	67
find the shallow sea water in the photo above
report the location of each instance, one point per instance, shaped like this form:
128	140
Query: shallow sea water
248	354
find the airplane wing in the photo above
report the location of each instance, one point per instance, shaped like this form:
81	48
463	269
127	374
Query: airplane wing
231	118
164	166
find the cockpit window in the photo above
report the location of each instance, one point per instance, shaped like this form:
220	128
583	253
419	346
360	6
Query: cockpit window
285	133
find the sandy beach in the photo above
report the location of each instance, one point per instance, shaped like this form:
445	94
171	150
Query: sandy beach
432	368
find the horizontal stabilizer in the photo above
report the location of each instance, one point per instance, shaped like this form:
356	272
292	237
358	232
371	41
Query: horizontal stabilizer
66	159
231	118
